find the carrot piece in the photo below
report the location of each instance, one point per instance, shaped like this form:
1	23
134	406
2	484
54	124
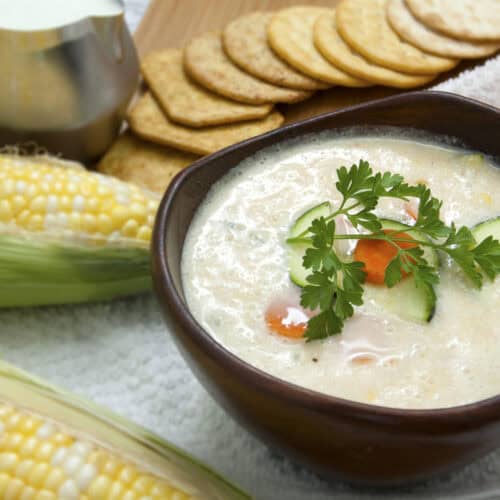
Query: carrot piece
376	255
286	320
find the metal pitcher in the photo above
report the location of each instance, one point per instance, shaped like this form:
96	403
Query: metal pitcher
68	69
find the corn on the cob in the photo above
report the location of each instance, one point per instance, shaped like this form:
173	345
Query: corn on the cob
46	452
70	235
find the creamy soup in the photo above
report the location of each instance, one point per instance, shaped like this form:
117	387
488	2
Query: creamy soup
235	264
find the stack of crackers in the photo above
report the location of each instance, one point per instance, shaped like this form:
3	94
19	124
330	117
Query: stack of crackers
223	86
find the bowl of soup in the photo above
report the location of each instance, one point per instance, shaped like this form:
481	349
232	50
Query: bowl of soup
410	386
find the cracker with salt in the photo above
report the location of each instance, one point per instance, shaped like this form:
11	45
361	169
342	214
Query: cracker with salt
207	63
290	34
332	46
146	164
148	121
413	31
187	103
364	26
475	20
245	42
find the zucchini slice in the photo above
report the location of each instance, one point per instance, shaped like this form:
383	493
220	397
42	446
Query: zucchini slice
490	227
296	251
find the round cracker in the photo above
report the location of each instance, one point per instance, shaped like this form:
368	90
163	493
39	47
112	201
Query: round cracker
363	25
245	42
332	46
475	20
187	103
290	34
148	121
413	31
207	63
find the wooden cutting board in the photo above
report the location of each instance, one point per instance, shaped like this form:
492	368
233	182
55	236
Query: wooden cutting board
172	23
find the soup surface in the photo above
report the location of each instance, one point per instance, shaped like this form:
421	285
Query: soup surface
235	265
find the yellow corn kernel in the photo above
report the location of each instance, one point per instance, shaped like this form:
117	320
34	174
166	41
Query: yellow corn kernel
14	421
69	489
87	188
144	233
6	211
54	479
111	467
27	449
35	223
24	468
65	203
23	217
129	495
29	425
13	489
115	491
45	495
89	223
38	475
138	211
4	481
38	204
127	475
27	493
104	224
13	441
17	203
99	487
119	215
130	228
93	205
143	484
8	461
72	188
62	439
75	221
44	452
7	187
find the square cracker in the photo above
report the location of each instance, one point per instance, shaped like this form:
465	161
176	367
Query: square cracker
148	121
148	165
188	103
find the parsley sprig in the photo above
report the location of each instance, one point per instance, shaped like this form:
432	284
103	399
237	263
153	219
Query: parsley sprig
335	285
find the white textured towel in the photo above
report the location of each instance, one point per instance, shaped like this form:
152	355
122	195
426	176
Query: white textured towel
120	355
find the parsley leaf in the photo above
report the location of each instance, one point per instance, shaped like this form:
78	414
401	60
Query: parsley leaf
487	257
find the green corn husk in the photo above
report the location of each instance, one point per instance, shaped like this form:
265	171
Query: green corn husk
123	438
36	271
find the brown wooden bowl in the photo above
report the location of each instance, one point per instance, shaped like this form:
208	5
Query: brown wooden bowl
359	442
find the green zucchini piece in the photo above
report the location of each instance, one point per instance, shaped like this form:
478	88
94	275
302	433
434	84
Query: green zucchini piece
490	227
405	299
102	430
296	251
